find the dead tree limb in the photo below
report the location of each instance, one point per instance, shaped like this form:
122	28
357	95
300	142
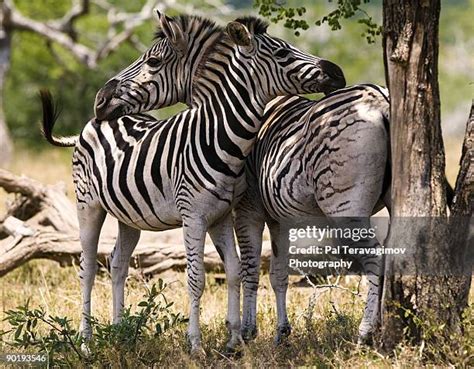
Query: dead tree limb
65	249
42	205
41	223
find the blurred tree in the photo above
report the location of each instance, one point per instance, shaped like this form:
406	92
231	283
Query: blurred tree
73	47
63	32
5	45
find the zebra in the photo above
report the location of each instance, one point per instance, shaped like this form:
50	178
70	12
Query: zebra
187	171
161	76
326	158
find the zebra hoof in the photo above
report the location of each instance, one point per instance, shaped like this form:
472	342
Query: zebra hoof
234	352
195	347
86	334
234	344
365	340
198	353
249	333
282	334
86	351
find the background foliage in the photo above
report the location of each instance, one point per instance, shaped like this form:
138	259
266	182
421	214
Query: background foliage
35	64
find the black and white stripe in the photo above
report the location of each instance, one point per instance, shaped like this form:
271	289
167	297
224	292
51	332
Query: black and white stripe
189	170
326	158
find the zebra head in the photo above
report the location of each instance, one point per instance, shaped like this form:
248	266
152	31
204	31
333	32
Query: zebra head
162	76
283	69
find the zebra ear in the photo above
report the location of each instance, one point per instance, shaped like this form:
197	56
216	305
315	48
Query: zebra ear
173	32
239	34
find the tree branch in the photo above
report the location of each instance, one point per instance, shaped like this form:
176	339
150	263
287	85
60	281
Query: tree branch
28	187
63	32
65	248
66	23
47	30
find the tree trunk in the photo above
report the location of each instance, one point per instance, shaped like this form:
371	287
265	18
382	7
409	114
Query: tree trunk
5	49
422	282
461	219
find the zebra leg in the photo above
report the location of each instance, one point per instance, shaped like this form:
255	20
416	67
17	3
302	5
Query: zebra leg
90	224
348	194
249	225
194	238
120	259
279	280
372	268
357	215
222	235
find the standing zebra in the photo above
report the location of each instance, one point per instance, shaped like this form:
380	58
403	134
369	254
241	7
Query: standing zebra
162	76
324	158
188	170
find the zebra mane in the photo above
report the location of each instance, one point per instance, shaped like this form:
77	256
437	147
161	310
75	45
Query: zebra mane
192	24
255	25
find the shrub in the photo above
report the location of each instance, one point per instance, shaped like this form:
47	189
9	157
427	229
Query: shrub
35	330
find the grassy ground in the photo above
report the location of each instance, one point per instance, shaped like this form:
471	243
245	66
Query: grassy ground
323	335
325	340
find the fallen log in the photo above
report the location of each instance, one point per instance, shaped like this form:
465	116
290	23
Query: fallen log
41	205
41	224
65	249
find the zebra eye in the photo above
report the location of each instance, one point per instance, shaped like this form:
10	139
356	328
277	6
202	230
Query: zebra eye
282	53
153	62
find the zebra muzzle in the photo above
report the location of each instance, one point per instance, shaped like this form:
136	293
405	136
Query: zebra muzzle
104	106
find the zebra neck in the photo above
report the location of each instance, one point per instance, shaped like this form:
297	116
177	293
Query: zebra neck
199	49
231	121
231	101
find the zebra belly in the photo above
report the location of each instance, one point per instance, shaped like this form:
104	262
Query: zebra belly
163	216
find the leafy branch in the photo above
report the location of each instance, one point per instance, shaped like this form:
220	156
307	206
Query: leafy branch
277	11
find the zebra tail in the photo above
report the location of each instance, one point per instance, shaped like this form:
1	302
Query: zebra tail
50	115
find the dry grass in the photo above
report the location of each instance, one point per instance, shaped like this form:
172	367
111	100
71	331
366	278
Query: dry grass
452	148
327	340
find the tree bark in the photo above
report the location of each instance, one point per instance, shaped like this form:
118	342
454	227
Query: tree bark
463	202
422	282
461	220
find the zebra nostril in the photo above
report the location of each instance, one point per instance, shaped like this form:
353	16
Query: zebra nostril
101	102
331	69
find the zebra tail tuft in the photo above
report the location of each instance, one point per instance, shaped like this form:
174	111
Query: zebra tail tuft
50	115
